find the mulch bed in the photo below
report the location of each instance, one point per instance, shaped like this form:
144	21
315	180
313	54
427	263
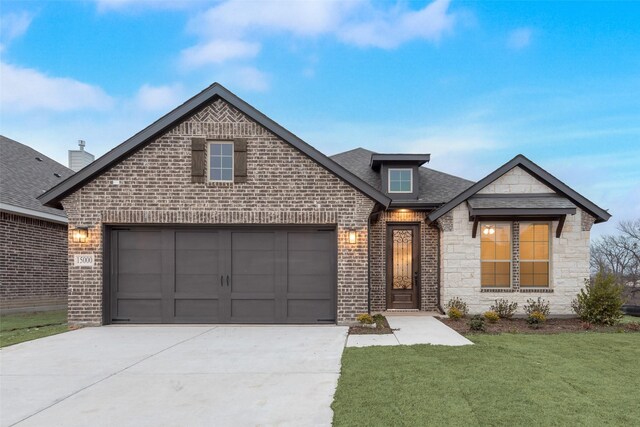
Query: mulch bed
382	327
551	326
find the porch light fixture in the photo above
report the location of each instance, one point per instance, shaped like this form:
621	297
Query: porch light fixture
488	229
80	234
352	237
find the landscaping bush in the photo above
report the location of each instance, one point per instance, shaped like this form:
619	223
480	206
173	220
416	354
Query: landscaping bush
536	319
540	305
600	302
459	304
491	316
454	313
477	323
365	319
504	308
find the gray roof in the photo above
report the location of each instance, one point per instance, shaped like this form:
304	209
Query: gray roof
435	187
53	196
23	177
521	201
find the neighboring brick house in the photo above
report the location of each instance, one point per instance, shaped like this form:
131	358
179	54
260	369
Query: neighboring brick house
217	214
33	237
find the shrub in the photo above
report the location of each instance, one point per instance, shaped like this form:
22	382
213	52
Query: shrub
600	302
539	305
491	316
365	319
459	304
476	323
454	313
536	319
586	326
504	308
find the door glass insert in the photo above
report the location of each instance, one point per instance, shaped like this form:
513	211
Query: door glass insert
402	259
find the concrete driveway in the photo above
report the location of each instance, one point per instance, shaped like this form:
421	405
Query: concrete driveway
173	376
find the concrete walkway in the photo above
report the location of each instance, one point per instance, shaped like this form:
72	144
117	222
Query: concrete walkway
173	376
409	330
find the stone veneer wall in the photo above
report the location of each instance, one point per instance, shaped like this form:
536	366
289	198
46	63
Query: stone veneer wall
33	262
460	254
429	236
154	186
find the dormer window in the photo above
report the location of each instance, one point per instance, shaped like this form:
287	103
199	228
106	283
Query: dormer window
400	180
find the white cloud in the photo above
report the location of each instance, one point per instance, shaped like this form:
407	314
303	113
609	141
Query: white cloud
25	89
14	25
519	38
399	25
248	78
128	5
154	98
217	52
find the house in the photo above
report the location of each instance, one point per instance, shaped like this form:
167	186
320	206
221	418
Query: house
33	237
215	213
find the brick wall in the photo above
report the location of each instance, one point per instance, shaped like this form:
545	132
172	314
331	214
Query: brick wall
33	262
154	186
429	236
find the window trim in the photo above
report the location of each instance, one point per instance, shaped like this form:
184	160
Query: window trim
209	143
410	180
548	261
510	261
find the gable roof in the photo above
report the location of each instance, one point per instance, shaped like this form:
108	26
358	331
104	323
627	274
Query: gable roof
436	187
24	175
554	183
141	139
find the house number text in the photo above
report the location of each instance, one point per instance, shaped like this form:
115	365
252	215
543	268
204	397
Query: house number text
85	260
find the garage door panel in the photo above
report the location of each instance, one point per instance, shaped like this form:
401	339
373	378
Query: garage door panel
301	241
139	283
197	308
197	261
140	261
140	240
197	240
253	309
304	308
308	283
309	262
140	308
253	283
204	284
253	262
253	241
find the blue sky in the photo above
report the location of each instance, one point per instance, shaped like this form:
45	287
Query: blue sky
472	83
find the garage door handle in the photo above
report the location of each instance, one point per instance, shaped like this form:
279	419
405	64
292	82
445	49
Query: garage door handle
227	280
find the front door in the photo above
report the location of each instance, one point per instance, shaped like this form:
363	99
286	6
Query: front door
403	266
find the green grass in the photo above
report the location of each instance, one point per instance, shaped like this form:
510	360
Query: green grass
630	319
586	379
16	328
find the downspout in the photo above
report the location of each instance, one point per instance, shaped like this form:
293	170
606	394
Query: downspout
438	297
373	213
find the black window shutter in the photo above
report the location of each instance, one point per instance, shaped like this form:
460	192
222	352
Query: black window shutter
239	160
198	160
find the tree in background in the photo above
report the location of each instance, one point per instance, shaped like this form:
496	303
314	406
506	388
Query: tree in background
619	255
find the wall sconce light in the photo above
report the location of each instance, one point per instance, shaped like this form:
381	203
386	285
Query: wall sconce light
352	237
488	230
80	234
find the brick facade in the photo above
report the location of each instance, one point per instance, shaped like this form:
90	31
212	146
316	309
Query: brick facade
33	262
154	186
429	236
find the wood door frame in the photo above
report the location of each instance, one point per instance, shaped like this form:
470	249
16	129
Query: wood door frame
416	243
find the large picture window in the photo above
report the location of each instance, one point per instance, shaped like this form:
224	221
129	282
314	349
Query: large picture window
534	255
495	248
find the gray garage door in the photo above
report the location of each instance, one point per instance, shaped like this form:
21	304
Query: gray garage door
174	275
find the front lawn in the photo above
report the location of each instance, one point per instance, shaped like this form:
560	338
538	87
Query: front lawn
510	379
20	327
